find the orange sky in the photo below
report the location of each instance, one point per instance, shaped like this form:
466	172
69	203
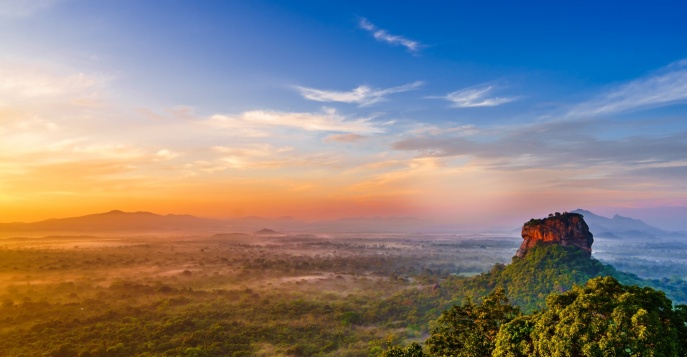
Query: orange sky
188	115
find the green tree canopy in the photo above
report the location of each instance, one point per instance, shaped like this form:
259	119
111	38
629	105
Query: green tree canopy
603	318
471	329
413	350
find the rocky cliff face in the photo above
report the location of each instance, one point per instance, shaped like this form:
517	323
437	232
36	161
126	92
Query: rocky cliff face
567	229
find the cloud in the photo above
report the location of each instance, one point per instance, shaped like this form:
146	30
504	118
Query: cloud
671	172
343	138
550	145
362	95
327	120
266	156
383	36
255	150
27	83
165	154
462	130
666	86
475	97
251	156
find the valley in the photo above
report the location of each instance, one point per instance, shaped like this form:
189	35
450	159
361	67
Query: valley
340	294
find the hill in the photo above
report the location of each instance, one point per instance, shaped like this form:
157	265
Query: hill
555	256
114	221
546	269
554	299
117	221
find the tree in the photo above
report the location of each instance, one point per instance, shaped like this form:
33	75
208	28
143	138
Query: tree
513	339
413	350
471	329
603	318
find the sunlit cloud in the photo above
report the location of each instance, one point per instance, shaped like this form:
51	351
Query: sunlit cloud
22	81
343	138
32	124
327	120
475	97
397	175
664	87
267	156
255	150
165	154
362	95
383	36
251	156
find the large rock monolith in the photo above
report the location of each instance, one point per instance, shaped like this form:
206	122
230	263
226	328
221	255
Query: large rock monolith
567	229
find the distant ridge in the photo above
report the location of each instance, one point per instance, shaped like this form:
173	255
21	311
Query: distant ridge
113	221
622	227
117	221
266	231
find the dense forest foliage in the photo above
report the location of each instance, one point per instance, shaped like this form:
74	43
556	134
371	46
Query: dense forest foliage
230	295
577	306
240	295
553	268
602	318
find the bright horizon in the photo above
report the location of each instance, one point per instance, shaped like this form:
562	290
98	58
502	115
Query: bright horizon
317	110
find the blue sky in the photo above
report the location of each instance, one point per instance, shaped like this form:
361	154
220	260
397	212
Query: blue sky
451	110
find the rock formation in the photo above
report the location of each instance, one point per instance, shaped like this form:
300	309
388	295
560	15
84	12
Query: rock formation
567	229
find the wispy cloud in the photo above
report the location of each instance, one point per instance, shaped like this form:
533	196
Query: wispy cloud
24	82
327	120
552	145
343	138
383	36
664	87
266	156
475	97
362	95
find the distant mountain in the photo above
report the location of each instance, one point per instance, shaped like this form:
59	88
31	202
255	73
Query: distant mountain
619	226
266	231
115	221
146	222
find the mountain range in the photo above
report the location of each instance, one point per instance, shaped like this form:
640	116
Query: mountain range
129	222
146	222
622	227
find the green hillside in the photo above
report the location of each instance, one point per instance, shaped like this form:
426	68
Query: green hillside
555	301
545	269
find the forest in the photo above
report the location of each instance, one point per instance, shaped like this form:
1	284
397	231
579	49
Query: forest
561	304
277	295
230	294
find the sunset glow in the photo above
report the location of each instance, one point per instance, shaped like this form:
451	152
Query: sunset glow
317	110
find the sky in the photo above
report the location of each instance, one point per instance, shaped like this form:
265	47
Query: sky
471	113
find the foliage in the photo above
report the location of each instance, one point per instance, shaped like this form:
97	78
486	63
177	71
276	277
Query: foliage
413	350
470	329
235	296
557	215
603	318
554	268
285	296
